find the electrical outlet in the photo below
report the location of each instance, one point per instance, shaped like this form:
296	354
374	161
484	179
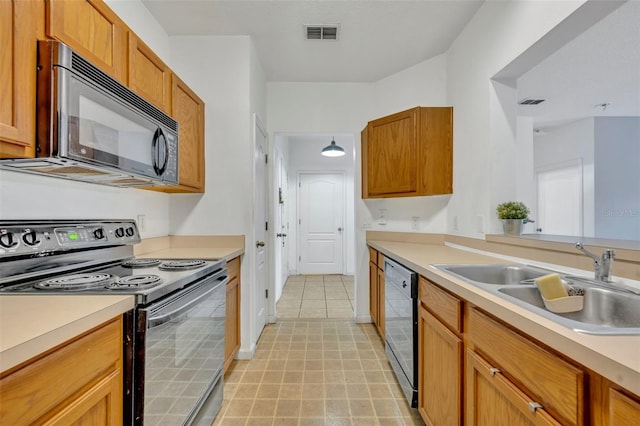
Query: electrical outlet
142	226
382	216
415	222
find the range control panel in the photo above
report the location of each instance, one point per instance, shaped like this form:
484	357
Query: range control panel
24	238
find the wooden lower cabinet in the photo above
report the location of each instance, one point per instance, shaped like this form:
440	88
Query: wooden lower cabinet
381	317
440	372
623	410
373	292
493	400
232	324
78	383
376	289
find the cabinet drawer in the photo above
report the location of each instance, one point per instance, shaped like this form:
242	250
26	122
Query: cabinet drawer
51	381
233	268
556	384
441	303
373	256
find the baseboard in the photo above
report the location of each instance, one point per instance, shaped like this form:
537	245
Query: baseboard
246	354
365	319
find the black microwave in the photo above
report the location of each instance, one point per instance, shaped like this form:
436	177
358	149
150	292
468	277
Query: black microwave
92	128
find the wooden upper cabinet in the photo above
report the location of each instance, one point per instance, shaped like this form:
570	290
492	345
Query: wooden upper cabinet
188	110
147	74
21	24
409	153
93	30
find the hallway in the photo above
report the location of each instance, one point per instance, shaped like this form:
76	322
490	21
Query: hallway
316	296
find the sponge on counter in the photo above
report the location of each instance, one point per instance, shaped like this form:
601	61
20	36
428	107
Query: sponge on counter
551	287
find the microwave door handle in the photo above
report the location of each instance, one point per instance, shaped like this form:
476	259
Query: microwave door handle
159	137
154	151
165	145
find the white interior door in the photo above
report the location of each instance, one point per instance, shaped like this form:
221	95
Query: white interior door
281	225
259	225
320	223
560	200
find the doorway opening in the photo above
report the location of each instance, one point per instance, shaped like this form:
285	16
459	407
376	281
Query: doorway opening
313	212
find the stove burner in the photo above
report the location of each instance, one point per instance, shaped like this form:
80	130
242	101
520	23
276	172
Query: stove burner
140	263
181	265
76	282
135	282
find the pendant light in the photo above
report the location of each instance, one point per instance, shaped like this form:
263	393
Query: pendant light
333	150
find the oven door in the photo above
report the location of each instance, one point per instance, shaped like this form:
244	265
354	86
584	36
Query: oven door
179	355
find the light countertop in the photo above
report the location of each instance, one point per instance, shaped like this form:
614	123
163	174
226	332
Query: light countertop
226	253
33	324
614	357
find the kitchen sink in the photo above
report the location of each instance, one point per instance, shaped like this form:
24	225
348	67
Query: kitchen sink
607	310
496	274
603	308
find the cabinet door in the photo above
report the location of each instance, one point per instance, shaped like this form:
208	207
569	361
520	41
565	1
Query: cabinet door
439	372
623	411
392	154
492	400
21	24
100	406
147	75
188	110
381	302
373	292
232	323
92	29
82	379
436	151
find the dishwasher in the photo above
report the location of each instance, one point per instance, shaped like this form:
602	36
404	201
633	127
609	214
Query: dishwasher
401	326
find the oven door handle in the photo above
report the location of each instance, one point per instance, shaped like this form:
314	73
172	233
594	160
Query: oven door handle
155	321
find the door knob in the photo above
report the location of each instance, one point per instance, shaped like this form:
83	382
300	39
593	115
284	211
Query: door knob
340	229
281	235
259	243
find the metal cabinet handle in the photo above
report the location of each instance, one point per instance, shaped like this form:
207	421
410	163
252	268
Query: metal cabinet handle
494	371
259	243
533	406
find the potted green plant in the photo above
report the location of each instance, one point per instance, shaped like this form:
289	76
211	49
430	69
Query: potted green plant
513	215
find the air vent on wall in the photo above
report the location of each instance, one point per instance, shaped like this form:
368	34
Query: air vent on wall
322	32
528	101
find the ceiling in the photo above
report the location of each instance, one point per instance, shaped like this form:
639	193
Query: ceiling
377	38
602	65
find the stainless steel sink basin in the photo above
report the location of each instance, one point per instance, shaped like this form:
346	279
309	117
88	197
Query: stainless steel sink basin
496	274
607	309
610	311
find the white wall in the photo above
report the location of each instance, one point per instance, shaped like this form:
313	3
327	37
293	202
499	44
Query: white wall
484	123
617	178
25	196
225	73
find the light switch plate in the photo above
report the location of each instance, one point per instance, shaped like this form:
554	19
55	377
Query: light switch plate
141	220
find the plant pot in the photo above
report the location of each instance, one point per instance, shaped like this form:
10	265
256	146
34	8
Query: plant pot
512	226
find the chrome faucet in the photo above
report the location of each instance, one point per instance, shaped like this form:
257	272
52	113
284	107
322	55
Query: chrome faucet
601	265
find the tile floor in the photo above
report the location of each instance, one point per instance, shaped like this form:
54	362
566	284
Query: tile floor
316	296
315	372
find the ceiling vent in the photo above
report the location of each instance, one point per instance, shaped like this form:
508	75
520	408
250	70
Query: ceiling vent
528	101
322	32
